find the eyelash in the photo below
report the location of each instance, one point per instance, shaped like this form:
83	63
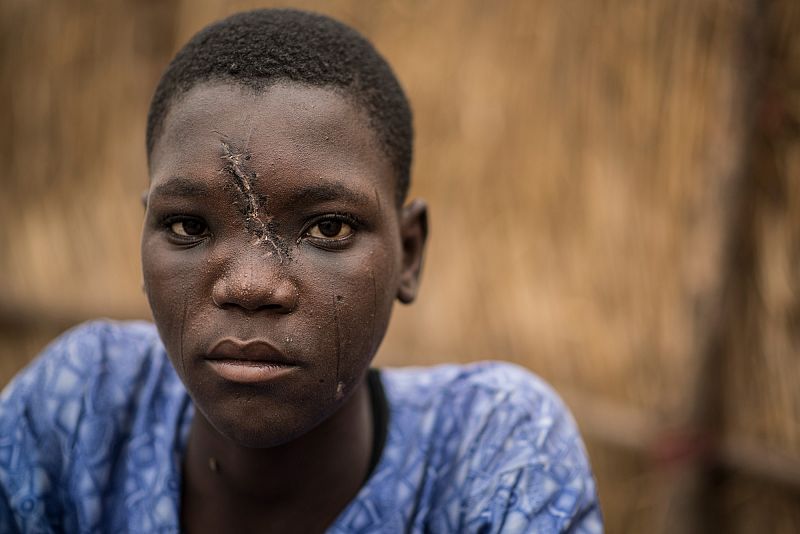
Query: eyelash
351	220
189	241
331	243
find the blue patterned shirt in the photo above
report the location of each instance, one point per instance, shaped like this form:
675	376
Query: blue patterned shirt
92	435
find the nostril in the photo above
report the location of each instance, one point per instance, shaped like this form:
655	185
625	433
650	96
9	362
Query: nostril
272	292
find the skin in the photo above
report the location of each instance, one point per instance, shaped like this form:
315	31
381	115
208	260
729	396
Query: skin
271	215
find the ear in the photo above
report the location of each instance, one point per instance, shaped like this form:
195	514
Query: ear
413	233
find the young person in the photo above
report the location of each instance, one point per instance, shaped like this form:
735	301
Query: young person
276	239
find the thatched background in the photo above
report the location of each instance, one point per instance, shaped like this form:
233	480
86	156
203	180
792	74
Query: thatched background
615	192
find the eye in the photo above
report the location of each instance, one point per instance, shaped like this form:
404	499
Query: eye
186	230
189	227
330	229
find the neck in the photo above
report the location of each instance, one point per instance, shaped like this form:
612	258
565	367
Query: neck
324	468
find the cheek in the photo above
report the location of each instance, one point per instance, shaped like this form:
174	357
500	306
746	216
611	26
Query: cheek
355	296
171	284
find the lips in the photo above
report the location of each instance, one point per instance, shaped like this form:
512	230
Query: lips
252	361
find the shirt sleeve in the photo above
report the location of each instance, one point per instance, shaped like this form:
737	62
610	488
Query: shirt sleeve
529	471
30	449
7	523
40	415
88	433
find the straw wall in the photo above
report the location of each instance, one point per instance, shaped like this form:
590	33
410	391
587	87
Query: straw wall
614	194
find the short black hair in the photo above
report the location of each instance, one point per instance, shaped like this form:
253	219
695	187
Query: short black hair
258	48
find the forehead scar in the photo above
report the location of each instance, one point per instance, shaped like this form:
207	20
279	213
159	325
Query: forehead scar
250	204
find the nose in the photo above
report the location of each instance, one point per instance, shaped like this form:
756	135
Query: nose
255	280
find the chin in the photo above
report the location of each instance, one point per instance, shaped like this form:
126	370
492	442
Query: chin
257	438
257	427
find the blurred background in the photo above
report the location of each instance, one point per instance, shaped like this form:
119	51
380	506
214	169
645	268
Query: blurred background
615	192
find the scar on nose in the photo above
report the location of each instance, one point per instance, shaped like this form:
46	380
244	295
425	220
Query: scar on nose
251	205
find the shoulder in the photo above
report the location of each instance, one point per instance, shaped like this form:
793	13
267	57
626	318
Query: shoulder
478	389
71	365
508	446
94	368
68	411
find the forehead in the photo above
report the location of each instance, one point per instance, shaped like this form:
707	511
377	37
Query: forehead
315	133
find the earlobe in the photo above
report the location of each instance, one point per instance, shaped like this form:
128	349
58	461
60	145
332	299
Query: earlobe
413	233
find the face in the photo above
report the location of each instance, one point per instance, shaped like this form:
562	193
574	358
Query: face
272	252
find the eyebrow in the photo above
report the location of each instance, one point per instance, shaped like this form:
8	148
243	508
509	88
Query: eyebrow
180	186
314	193
327	192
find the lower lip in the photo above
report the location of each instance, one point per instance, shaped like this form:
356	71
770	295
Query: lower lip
249	371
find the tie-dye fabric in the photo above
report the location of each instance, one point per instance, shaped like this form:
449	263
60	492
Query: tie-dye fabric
92	434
